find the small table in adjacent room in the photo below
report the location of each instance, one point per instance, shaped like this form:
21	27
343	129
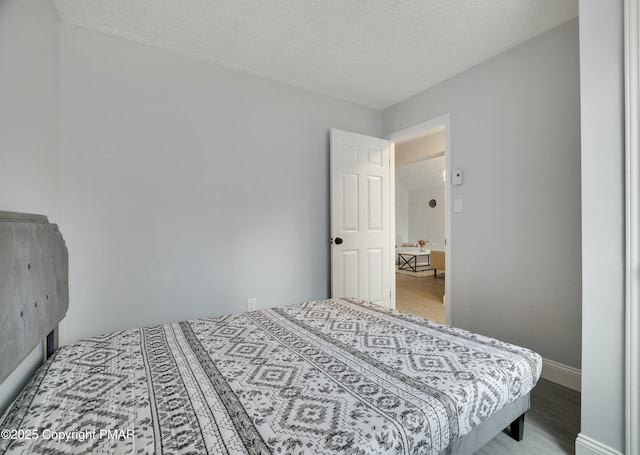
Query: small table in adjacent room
409	260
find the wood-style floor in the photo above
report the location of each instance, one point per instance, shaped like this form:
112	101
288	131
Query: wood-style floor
553	421
421	296
551	425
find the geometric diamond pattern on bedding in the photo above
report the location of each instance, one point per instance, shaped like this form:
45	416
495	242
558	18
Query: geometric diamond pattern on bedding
338	376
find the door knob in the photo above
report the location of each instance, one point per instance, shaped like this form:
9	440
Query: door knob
338	240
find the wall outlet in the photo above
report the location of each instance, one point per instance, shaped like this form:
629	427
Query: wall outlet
252	304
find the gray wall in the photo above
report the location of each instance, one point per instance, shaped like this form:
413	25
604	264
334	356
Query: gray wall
188	188
426	222
402	211
515	134
29	107
602	90
29	125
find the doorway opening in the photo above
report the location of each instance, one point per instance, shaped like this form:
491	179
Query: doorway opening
420	162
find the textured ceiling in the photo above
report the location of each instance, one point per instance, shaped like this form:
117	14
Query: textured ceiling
371	52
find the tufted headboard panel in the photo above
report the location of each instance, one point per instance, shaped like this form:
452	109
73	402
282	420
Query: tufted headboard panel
34	285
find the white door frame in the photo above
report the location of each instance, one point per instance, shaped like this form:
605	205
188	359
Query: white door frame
632	221
421	129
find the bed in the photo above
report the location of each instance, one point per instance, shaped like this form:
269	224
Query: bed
332	376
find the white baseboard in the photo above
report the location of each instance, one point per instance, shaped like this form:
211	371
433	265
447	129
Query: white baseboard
562	374
587	446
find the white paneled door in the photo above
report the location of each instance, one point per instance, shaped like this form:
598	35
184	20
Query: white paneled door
361	261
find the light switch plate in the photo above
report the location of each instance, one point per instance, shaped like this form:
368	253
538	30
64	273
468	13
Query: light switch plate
457	205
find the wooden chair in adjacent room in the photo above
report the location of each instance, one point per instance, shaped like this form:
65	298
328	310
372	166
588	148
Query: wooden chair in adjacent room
437	262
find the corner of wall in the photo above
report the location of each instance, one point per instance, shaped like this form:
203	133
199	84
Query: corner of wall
562	374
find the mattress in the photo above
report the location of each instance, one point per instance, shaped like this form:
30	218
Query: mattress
334	376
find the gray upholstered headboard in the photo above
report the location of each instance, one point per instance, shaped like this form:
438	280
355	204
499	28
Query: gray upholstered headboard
34	285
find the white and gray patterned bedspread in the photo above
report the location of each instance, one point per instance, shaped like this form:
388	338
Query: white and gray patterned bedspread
334	376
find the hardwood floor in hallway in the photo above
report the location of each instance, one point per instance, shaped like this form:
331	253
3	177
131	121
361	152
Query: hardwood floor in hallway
421	295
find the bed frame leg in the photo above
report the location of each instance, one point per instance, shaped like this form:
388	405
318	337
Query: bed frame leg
517	428
51	343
